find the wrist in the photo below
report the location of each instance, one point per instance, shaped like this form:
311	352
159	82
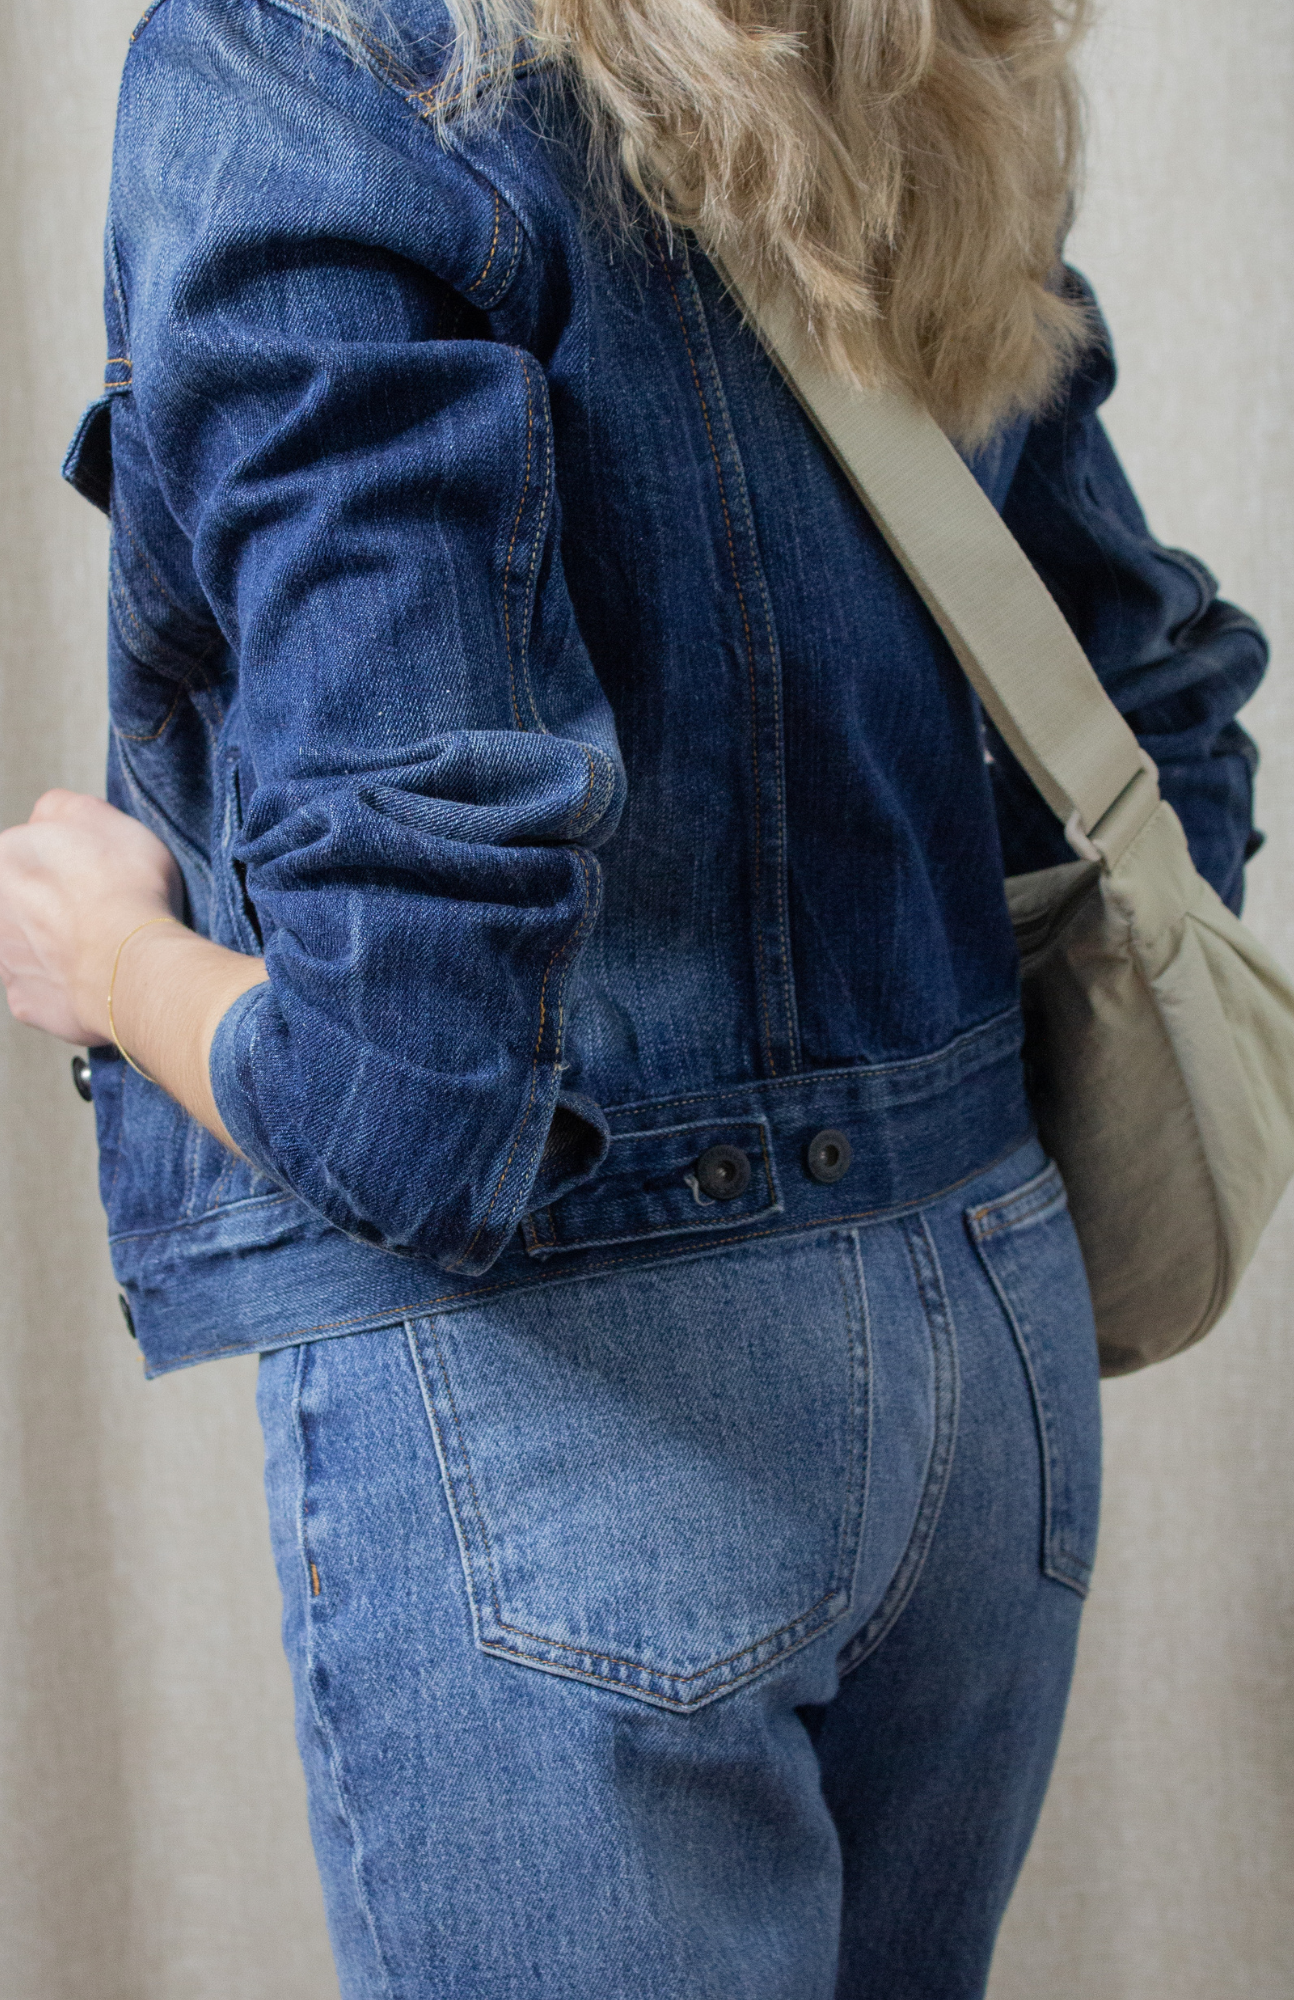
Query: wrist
103	957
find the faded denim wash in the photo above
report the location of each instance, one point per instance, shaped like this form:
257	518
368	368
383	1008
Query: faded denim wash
795	1536
682	1558
496	647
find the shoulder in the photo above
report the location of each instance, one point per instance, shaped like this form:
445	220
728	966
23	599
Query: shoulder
249	126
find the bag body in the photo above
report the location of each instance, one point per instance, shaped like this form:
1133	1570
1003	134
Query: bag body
1160	1034
1160	1052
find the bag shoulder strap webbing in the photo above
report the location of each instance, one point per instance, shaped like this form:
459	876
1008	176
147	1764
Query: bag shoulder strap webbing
1002	623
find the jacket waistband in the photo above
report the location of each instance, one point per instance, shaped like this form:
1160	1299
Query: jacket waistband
683	1175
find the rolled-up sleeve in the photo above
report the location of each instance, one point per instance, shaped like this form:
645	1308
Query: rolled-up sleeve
426	760
1175	657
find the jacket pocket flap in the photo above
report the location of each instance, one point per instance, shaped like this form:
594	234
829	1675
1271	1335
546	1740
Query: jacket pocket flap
87	462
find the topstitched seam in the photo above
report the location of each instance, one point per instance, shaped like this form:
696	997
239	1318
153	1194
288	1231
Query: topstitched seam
312	1683
534	1060
568	950
868	1070
507	561
494	244
779	776
942	1335
527	598
560	1645
451	1300
750	655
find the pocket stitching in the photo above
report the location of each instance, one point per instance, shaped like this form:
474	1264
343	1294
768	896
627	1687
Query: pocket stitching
806	1624
1057	1562
947	1394
1024	1204
560	1645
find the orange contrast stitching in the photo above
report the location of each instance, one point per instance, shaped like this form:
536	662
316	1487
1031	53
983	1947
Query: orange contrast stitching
494	242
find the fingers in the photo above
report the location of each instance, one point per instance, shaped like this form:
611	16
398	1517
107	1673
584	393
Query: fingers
72	809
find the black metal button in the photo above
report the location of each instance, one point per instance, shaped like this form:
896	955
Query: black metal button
81	1074
723	1172
127	1315
829	1156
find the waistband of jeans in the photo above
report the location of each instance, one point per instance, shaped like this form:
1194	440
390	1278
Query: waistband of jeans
684	1174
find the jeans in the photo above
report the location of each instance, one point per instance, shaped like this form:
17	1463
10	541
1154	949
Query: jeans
700	1631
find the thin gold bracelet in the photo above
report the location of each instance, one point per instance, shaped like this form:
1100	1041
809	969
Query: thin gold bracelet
112	983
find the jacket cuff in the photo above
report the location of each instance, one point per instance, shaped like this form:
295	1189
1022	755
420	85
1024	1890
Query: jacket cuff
460	1233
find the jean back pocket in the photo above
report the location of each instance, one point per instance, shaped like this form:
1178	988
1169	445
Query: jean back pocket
656	1475
1028	1247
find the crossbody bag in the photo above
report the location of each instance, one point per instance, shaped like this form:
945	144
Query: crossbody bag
1159	1032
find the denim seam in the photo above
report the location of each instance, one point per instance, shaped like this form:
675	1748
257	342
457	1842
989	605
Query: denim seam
501	1648
451	1301
865	1351
475	286
422	106
144	20
435	103
567	945
507	561
586	804
779	774
808	1080
522	647
1046	1190
750	655
1033	1211
854	1511
933	1293
119	599
1057	1562
327	1736
205	628
565	952
528	599
152	816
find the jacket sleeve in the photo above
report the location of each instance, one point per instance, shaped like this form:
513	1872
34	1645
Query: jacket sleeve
426	758
1175	657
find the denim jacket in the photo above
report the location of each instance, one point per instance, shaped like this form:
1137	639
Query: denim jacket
499	651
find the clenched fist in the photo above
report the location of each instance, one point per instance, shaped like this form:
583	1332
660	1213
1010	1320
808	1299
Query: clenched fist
73	882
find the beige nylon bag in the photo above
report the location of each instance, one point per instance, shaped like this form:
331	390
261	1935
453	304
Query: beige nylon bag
1160	1035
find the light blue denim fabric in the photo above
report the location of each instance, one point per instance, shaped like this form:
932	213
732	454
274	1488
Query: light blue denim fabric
698	1630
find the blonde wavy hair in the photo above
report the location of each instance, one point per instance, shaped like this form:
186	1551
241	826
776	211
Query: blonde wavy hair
906	167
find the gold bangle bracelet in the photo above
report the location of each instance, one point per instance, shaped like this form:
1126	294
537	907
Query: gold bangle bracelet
112	983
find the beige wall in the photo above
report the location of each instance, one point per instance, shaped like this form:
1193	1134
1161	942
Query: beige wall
1164	1865
152	1842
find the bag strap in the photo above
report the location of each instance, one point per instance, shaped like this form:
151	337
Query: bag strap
1002	623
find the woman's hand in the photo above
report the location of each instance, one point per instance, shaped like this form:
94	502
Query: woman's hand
73	882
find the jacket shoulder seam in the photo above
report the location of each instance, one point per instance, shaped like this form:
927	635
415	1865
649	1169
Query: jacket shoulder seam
504	255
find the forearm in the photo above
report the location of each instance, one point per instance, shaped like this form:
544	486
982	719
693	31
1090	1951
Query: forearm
169	994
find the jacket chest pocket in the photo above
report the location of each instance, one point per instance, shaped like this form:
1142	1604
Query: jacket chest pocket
656	1475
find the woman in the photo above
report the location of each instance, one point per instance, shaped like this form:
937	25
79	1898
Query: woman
545	961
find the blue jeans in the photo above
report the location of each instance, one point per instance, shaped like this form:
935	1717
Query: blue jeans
700	1631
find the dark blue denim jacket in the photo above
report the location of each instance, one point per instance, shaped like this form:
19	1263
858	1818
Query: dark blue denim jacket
496	647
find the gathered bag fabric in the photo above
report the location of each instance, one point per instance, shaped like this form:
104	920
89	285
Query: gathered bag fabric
1159	1033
